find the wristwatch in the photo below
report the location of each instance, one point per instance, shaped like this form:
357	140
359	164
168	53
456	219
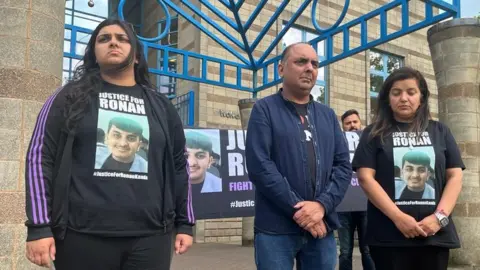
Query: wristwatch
442	218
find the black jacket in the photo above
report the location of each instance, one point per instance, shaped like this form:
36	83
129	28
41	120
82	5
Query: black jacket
49	160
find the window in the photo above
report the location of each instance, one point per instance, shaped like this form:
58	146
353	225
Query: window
166	84
79	14
69	66
381	65
296	34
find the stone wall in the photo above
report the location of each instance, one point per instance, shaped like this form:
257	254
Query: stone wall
228	230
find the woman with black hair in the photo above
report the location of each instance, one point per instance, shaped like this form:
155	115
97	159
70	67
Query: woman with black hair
96	203
409	224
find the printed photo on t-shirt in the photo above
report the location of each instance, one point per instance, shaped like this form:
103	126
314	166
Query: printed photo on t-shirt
122	136
204	159
414	159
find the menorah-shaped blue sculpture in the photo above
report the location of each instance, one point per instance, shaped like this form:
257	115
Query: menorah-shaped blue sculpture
262	64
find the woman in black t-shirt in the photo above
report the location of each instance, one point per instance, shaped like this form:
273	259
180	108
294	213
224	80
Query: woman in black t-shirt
107	185
411	170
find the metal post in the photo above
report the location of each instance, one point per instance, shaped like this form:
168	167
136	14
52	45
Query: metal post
245	107
191	108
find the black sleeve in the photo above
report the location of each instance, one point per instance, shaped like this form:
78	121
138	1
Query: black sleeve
365	154
452	154
39	166
184	218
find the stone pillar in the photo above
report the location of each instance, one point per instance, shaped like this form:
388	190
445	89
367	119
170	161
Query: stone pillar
455	50
245	107
31	49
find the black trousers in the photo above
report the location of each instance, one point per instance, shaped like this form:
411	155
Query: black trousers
410	258
80	251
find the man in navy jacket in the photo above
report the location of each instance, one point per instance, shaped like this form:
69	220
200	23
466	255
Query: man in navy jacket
298	160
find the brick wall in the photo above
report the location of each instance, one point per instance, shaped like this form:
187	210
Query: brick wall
228	230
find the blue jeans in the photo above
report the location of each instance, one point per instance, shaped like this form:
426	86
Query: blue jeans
349	221
278	252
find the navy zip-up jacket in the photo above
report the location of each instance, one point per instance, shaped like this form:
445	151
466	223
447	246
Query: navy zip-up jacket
276	157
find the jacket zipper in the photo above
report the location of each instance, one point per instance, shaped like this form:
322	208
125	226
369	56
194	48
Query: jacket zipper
314	152
315	156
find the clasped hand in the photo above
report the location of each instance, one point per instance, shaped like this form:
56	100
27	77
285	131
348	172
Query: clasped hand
310	217
410	228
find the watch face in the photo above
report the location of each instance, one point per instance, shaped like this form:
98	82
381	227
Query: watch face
444	222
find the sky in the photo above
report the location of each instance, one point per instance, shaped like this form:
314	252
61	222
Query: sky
470	8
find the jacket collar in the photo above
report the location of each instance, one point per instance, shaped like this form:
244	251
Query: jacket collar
280	93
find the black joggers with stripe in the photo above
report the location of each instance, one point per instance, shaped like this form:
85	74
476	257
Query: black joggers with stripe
78	251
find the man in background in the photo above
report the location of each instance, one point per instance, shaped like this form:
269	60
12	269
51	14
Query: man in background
353	220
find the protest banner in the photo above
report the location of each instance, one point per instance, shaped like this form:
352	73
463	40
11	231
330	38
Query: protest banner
354	199
219	177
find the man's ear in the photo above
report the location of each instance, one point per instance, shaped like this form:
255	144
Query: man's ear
280	69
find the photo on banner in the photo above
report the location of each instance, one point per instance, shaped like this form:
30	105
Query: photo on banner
218	174
204	160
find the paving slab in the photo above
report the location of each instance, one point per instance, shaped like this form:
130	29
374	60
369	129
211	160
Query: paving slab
226	256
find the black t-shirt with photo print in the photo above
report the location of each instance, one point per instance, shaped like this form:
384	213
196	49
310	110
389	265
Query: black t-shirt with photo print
411	168
114	191
303	114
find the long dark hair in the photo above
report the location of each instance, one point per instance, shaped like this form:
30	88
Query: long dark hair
86	81
383	120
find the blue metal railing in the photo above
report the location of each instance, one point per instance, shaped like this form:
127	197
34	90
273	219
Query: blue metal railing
185	105
262	65
367	42
259	67
164	52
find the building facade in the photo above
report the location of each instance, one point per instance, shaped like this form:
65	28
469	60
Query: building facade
352	83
